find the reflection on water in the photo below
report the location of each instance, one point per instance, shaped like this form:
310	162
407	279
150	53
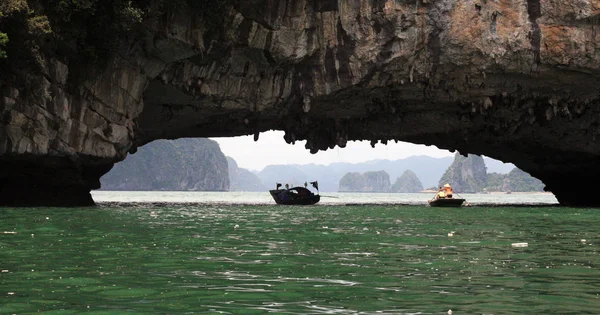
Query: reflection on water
249	259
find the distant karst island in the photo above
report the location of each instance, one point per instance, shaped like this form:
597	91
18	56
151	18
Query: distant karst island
407	183
200	165
468	174
183	164
241	179
377	181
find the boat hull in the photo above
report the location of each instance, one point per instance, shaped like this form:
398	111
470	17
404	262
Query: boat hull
447	202
292	199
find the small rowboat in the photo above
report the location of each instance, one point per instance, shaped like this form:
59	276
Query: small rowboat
446	202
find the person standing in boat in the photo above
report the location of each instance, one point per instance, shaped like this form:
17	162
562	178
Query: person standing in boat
448	190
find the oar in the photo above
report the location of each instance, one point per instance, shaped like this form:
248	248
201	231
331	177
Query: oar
329	197
467	204
432	199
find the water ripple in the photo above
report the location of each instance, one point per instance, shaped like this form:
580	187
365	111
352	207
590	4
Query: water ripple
300	260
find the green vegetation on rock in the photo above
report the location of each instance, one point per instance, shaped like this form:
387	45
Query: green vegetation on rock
469	175
183	164
495	182
518	180
407	183
3	41
367	182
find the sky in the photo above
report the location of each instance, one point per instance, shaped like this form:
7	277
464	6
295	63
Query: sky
271	149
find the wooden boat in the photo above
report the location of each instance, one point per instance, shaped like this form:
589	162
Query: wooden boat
446	202
294	196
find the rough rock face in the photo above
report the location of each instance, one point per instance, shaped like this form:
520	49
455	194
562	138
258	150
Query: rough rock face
408	182
183	164
241	179
515	80
466	174
366	182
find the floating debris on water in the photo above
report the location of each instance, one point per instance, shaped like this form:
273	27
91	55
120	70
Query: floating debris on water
583	240
9	232
519	244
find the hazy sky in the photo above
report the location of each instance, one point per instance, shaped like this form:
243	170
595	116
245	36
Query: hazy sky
271	149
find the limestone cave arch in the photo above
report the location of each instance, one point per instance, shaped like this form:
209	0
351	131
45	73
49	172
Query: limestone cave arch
516	82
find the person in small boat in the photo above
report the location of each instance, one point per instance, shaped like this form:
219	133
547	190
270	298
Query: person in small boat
448	190
284	196
441	194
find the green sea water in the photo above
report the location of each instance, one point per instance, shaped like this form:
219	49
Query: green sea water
256	259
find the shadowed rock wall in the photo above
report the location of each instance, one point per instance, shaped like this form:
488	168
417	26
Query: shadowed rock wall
516	80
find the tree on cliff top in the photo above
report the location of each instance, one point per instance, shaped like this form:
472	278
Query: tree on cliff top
466	174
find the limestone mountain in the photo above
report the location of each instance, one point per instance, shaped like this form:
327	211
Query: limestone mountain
183	164
367	182
495	182
241	179
407	183
466	174
428	169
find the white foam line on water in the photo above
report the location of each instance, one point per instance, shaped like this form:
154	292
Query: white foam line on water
317	280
